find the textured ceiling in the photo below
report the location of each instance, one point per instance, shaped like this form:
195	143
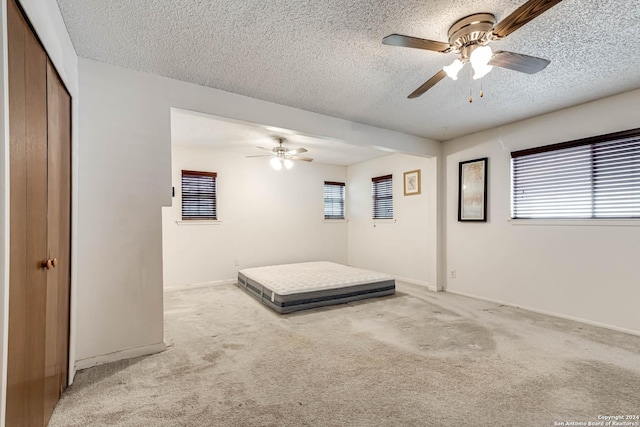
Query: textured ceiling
190	128
327	56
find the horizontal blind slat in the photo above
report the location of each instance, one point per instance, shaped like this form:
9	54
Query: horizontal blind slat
334	200
382	194
592	178
199	195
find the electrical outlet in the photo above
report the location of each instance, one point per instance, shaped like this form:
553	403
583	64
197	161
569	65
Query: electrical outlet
452	274
236	262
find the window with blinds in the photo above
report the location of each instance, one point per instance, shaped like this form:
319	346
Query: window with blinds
199	193
333	200
595	177
382	193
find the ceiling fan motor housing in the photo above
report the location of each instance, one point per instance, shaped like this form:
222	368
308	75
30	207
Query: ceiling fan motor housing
280	151
470	32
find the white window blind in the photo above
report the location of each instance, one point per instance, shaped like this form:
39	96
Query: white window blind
595	177
333	200
199	195
382	193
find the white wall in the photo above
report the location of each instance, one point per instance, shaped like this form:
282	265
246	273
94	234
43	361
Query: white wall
578	269
406	246
46	19
126	178
266	217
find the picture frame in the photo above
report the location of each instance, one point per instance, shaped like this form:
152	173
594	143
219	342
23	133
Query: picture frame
472	190
412	183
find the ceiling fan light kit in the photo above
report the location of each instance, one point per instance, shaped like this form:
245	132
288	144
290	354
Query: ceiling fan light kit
453	69
282	157
479	59
470	37
276	163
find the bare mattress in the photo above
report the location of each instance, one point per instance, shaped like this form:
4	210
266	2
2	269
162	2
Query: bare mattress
292	287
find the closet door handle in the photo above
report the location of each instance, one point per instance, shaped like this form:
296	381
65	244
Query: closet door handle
50	263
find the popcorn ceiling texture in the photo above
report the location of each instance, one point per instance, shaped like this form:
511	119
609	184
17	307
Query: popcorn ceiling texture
327	56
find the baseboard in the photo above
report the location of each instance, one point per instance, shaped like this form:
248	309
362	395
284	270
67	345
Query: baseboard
417	282
200	285
120	355
548	313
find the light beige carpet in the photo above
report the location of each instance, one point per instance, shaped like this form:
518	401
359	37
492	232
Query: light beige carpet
415	359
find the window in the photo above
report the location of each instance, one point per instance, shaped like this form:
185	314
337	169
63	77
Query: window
596	177
199	195
382	192
333	200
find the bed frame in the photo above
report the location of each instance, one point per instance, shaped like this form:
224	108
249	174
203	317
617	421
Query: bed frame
292	287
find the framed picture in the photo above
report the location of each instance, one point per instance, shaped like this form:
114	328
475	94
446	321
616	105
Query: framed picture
412	183
472	190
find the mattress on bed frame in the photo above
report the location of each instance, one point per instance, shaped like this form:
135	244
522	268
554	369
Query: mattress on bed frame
293	287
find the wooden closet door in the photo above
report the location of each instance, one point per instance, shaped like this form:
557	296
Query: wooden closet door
59	236
59	239
28	223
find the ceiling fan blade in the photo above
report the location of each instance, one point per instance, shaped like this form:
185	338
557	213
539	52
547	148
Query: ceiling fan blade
428	84
304	159
262	155
296	151
268	149
416	43
525	13
518	62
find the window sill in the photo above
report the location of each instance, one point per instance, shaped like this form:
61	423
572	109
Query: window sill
384	220
577	222
329	221
200	222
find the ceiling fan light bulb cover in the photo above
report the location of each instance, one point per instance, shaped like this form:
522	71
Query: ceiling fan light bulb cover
453	69
481	55
288	164
481	71
480	58
275	163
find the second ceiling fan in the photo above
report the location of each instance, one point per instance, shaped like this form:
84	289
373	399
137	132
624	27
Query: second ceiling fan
470	36
282	156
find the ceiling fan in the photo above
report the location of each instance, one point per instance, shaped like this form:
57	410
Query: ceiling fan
283	156
470	38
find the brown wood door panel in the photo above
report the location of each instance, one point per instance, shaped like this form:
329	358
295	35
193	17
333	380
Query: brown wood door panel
64	294
51	374
51	391
16	362
36	131
59	177
40	227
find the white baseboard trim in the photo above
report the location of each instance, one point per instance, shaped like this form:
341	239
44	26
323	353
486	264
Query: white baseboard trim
72	375
120	355
548	313
200	285
417	282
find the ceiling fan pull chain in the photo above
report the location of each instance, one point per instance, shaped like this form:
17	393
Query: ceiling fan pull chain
481	90
470	87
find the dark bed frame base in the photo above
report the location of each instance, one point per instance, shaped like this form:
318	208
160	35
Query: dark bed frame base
306	300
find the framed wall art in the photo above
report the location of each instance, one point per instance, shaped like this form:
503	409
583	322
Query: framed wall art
412	183
472	190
